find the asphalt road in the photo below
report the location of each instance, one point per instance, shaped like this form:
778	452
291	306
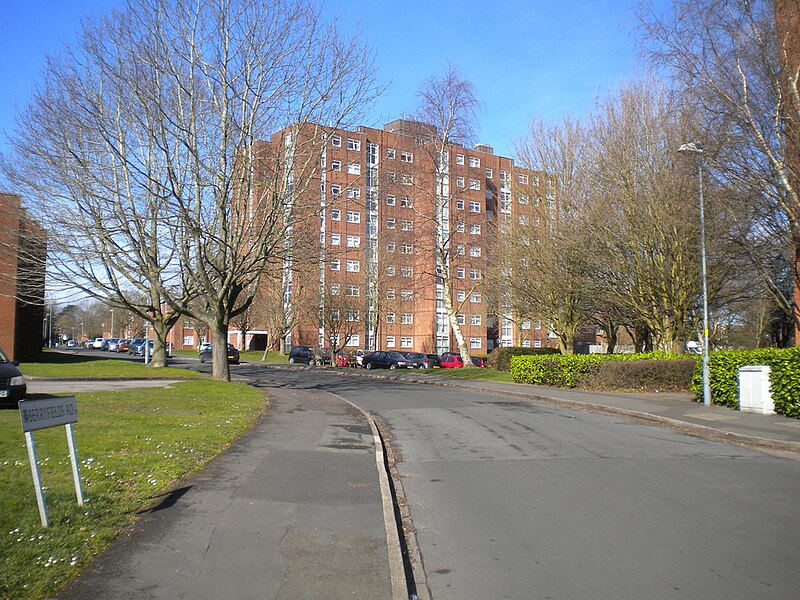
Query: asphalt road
512	499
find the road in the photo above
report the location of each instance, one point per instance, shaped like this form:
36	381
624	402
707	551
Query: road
512	499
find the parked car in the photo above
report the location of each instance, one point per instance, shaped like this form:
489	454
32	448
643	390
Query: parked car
123	345
479	361
98	343
134	344
72	344
324	356
452	361
386	360
359	357
203	348
112	345
433	361
302	355
416	359
12	383
233	354
88	344
344	360
141	348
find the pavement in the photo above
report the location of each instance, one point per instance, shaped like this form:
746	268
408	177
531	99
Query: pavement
302	503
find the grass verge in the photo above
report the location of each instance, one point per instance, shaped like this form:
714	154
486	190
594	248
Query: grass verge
89	366
478	374
132	446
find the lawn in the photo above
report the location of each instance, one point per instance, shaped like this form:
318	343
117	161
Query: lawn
133	446
98	366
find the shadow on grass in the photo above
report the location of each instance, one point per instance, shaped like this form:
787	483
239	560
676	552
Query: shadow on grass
62	358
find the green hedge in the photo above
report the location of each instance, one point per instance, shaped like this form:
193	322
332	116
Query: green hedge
568	370
500	358
641	375
724	376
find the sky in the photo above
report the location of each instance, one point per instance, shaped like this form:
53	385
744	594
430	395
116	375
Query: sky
526	58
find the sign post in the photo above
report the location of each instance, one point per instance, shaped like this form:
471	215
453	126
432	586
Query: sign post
42	414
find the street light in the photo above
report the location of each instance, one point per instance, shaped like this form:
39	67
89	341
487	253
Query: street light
694	148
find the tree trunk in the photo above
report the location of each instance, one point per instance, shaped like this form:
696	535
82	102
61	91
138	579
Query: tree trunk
219	352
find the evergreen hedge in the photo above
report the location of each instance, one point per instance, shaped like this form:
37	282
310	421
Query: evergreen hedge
723	366
500	358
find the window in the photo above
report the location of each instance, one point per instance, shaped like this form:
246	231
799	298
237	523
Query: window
188	340
537	325
353	241
353	144
390	247
406	319
461	272
390	270
474	274
459	205
390	294
354	168
353	216
407	249
406	179
474	184
474	343
489	173
407	225
461	319
405	202
461	295
460	227
505	177
460	182
390	223
475	229
523	200
354	193
336	214
475	251
459	159
335	289
537	343
354	340
390	341
390	153
406	295
336	239
353	290
406	342
336	264
390	318
474	162
460	249
352	315
353	266
526	343
335	315
474	319
390	200
535	221
391	176
521	178
406	157
336	141
406	271
336	165
474	297
336	189
474	206
523	220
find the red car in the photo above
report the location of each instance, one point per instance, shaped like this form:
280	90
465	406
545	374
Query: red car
452	361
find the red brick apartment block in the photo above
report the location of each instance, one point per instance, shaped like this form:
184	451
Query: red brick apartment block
364	236
22	260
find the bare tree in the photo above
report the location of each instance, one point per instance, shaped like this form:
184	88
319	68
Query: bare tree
546	268
448	109
152	128
736	62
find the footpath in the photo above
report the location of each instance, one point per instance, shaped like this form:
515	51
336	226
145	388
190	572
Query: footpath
299	504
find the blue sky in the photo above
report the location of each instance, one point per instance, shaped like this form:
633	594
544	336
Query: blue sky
534	58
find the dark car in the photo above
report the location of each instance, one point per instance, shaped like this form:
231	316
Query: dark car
303	355
386	360
12	383
479	361
416	359
233	354
134	344
324	356
433	361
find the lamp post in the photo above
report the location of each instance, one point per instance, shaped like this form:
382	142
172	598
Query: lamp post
697	150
